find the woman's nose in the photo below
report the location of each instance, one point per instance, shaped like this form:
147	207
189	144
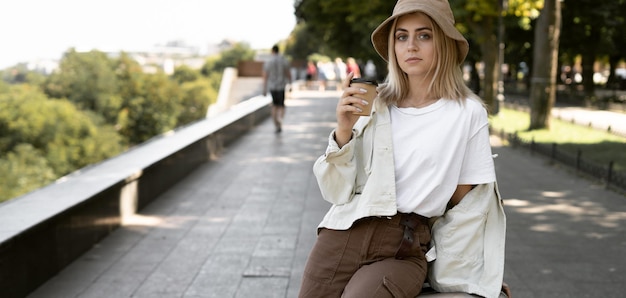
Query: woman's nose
412	45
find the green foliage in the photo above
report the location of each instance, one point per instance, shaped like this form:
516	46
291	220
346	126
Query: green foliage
138	104
23	170
209	66
302	43
90	109
600	23
59	133
215	80
20	74
342	28
228	58
197	93
16	74
184	73
4	87
86	79
197	96
478	10
525	9
130	77
153	111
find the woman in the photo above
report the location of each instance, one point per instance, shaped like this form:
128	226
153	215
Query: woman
311	73
353	67
422	150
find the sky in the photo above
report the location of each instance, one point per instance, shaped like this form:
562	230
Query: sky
44	29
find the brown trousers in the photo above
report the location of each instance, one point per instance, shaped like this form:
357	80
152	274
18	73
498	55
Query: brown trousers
363	262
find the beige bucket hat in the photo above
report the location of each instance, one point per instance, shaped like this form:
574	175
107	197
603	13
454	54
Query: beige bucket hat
438	10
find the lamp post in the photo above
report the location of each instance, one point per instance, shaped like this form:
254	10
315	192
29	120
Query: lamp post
503	6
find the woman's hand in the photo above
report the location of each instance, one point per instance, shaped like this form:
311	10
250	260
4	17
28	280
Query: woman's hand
459	194
506	289
345	111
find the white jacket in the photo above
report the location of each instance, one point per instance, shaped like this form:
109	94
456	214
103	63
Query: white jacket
468	245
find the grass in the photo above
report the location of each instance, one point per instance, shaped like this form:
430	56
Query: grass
596	146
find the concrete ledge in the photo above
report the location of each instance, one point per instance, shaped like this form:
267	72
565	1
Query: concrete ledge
45	230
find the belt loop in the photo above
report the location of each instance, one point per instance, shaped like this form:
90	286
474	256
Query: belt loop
394	219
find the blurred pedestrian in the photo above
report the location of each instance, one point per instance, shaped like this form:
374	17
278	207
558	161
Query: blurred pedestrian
340	72
276	77
353	67
322	74
311	73
370	70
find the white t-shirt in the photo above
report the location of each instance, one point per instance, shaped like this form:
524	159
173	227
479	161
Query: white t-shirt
435	149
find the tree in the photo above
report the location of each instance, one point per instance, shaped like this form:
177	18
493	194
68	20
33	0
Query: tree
183	74
153	110
197	96
23	170
302	42
86	79
584	23
66	137
519	40
545	62
342	28
617	32
228	58
197	93
480	20
20	74
597	23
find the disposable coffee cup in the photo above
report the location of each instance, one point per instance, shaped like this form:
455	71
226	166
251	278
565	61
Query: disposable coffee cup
370	86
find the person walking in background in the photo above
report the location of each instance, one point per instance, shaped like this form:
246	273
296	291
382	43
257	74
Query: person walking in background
423	151
370	70
322	77
276	76
340	72
353	67
311	73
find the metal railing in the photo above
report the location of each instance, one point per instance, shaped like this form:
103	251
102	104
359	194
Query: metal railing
606	174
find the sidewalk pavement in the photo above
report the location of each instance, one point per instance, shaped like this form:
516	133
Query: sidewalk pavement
605	120
242	225
608	121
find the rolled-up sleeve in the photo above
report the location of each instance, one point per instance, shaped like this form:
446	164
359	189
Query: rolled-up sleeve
336	172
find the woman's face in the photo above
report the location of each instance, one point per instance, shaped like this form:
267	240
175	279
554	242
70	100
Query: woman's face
414	45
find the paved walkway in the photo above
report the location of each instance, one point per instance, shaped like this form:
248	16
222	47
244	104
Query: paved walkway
242	226
605	120
599	119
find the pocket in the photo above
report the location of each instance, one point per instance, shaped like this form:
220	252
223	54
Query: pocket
460	234
326	255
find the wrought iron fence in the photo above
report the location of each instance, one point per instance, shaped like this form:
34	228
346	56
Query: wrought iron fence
605	174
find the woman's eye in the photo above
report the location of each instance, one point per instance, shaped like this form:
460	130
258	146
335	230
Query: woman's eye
401	37
424	36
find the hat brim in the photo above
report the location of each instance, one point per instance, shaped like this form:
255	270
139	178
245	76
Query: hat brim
381	33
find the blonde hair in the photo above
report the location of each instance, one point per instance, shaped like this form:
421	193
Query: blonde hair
447	79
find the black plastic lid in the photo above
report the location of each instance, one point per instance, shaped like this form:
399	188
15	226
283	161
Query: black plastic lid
364	81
